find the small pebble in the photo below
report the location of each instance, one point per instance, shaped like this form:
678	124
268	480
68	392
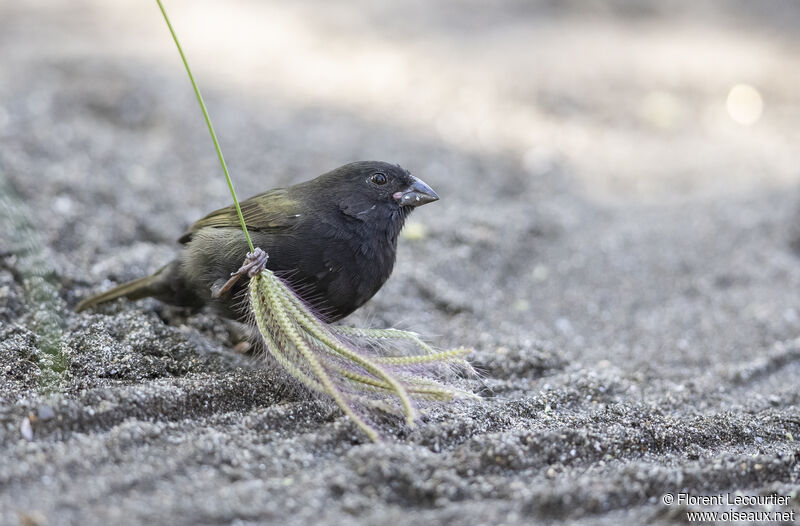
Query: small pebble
414	231
26	429
45	412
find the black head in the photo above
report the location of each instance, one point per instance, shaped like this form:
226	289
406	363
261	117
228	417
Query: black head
376	191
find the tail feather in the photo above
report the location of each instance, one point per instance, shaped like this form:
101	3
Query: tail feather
134	290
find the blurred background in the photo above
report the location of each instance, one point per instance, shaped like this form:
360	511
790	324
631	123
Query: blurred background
619	202
639	100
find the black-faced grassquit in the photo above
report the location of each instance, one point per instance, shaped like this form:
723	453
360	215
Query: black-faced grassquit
333	239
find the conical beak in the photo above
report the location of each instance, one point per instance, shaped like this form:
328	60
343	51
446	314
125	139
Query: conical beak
417	194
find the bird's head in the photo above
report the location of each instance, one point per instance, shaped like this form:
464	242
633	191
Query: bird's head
374	191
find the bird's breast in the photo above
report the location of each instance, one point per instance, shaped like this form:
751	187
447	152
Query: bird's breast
345	269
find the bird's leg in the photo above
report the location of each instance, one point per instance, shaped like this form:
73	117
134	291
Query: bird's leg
254	262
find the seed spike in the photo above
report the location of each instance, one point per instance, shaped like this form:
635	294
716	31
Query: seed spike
360	369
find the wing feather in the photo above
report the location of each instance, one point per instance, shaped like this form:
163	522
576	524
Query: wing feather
270	210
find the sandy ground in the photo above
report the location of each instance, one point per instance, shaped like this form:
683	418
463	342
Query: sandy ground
614	246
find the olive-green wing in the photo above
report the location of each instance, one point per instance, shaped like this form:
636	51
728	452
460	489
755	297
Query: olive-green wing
268	211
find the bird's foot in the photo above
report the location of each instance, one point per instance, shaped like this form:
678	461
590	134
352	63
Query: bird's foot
254	262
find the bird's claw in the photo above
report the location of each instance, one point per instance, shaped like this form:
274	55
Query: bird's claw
254	262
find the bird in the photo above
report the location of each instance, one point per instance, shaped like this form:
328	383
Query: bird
333	240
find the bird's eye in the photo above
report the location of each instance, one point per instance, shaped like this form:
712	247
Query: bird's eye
378	178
